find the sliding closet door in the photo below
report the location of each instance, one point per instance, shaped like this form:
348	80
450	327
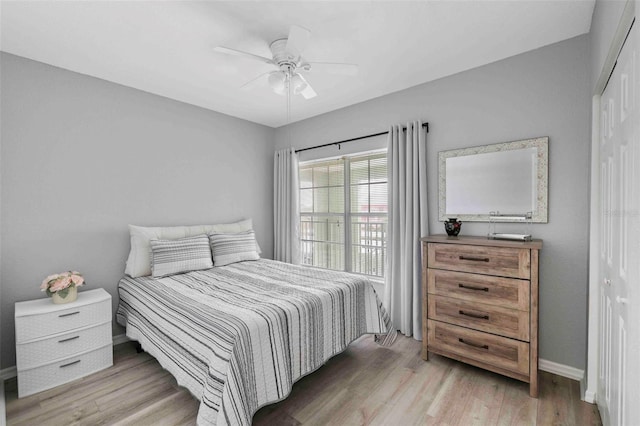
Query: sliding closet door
617	394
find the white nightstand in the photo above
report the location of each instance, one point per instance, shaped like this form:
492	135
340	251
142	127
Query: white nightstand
56	344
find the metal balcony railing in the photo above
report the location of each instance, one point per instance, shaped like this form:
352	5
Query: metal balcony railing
323	243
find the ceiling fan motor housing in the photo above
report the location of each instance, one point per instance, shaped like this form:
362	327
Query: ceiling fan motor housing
285	60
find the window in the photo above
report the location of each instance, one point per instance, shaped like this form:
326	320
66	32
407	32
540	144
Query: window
343	213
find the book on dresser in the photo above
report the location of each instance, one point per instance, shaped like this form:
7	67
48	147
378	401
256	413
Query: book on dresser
56	344
480	303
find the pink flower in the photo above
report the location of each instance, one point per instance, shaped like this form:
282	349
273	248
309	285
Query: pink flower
60	284
47	280
77	279
57	282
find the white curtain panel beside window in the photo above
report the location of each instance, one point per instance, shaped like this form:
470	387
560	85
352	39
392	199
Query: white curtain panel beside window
286	217
408	222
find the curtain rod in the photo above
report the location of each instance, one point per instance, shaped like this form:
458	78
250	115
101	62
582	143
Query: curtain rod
425	125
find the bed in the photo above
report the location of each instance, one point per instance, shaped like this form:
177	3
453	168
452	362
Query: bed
238	336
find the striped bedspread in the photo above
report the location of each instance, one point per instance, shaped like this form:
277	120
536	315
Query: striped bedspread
239	336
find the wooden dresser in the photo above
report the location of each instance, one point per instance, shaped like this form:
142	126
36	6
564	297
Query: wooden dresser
480	303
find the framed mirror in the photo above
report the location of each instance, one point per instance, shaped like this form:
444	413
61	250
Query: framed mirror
506	178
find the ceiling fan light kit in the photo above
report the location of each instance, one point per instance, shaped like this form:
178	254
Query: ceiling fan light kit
277	81
281	80
286	56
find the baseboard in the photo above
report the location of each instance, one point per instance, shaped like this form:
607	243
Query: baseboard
11	372
589	397
585	394
8	373
119	339
561	370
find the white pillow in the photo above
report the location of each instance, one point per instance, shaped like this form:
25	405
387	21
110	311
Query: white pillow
139	261
170	257
231	248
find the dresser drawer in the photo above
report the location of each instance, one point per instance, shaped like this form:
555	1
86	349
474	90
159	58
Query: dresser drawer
479	316
506	292
29	327
500	352
45	350
50	375
500	261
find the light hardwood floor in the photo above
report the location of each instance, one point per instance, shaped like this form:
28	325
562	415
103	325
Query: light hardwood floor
367	384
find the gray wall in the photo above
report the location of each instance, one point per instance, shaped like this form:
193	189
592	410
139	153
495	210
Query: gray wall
81	158
545	92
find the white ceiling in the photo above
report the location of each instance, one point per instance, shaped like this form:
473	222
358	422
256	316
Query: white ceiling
166	47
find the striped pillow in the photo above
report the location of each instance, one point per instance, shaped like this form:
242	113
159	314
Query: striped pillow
169	257
232	248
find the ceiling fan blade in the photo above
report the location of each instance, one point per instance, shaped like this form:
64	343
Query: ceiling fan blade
331	68
308	91
256	81
297	40
234	52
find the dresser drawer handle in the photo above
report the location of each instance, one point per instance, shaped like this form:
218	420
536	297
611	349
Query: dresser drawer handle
475	259
70	363
485	317
471	287
475	345
69	314
68	339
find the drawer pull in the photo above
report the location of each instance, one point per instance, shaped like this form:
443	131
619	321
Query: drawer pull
475	345
471	287
68	339
474	259
485	317
69	314
70	363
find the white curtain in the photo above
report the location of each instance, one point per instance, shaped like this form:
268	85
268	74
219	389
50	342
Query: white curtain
286	216
408	222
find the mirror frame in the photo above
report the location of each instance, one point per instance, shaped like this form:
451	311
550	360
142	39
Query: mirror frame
540	215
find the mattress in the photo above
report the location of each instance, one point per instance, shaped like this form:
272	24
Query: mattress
239	336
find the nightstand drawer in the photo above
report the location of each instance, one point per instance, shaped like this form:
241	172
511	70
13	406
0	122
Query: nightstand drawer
499	352
72	316
490	318
506	292
42	351
47	376
500	261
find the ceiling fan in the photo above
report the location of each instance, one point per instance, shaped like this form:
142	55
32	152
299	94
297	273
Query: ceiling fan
289	63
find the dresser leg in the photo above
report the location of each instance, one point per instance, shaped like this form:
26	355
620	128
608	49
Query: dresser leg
533	386
139	348
425	354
